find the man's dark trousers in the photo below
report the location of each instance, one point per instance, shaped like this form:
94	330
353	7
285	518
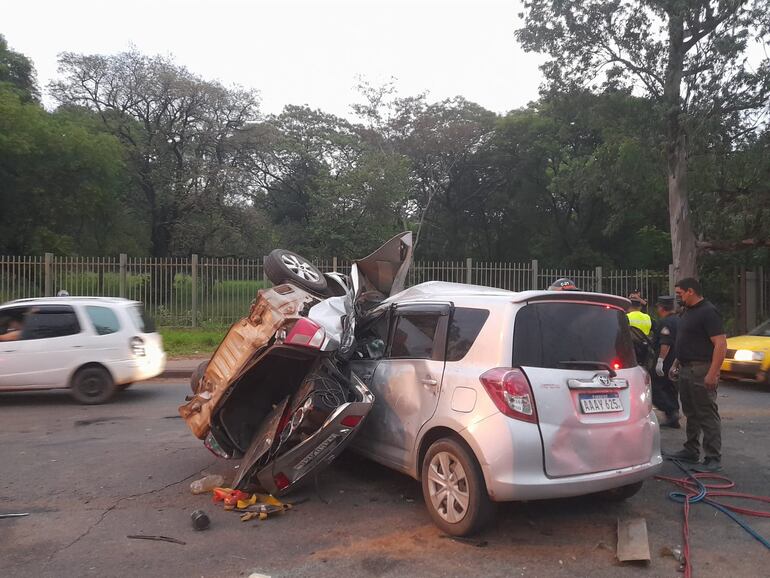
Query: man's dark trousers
699	406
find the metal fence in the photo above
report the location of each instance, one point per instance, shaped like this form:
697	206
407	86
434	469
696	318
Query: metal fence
192	292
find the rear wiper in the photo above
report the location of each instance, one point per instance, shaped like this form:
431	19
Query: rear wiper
592	364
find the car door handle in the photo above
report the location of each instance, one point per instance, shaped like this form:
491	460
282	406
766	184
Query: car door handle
77	347
428	381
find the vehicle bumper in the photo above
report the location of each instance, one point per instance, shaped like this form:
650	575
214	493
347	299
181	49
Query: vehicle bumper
511	457
743	370
138	369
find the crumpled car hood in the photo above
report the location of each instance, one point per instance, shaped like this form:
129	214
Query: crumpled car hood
272	309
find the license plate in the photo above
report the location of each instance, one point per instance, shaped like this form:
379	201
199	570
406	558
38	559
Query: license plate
600	403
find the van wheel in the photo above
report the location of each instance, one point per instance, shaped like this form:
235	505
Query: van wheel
282	266
454	490
93	385
622	493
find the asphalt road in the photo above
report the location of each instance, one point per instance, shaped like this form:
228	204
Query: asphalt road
91	476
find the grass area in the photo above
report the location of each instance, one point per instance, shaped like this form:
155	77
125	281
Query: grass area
180	341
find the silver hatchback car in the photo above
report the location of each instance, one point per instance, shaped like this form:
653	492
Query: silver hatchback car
488	396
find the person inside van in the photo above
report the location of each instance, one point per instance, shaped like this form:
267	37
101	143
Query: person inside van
12	330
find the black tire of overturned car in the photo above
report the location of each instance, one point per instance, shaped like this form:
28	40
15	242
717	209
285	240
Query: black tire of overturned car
282	266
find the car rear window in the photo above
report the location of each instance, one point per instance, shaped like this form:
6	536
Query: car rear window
104	319
143	322
548	334
463	330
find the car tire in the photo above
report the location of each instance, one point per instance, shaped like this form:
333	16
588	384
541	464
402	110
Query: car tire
449	512
622	493
93	385
282	266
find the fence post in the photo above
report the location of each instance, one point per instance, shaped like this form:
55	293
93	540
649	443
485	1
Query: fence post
598	287
671	280
122	275
535	274
48	262
334	264
194	283
469	270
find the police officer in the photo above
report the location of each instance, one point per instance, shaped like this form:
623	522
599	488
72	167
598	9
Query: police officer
664	393
638	318
700	345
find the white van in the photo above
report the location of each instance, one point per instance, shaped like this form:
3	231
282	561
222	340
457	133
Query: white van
94	346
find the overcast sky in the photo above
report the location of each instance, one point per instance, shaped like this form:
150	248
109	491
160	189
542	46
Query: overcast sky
298	51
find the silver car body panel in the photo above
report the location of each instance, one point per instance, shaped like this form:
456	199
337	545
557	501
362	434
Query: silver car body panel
585	452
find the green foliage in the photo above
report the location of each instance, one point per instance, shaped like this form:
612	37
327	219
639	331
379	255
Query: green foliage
17	73
180	342
59	181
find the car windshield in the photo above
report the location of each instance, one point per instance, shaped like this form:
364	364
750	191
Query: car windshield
762	330
142	321
552	334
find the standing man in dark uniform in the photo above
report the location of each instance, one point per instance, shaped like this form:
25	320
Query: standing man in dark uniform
701	345
664	393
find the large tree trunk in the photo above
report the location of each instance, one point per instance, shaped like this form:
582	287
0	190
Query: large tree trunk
683	248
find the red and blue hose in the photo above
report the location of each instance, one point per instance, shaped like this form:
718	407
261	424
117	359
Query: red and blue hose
694	490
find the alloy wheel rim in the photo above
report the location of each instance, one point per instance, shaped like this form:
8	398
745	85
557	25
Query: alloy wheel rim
91	386
300	268
448	487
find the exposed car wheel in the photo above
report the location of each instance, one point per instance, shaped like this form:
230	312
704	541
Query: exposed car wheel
282	266
622	493
93	385
124	386
454	489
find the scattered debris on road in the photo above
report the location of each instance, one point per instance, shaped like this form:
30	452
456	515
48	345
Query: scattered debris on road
156	539
13	515
206	484
200	520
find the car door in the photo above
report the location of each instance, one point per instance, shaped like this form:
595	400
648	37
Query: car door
13	360
47	350
406	383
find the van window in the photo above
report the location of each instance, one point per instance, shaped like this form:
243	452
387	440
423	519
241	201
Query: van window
45	322
463	330
413	336
104	319
548	334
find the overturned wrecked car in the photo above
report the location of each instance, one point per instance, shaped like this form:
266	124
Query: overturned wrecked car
278	391
483	395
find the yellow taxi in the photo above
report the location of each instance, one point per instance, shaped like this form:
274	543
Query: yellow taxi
748	356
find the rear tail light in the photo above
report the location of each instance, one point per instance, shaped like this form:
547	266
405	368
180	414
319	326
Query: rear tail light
306	333
137	346
281	481
510	390
352	420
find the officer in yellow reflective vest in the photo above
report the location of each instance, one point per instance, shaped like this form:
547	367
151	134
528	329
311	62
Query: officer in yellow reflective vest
638	318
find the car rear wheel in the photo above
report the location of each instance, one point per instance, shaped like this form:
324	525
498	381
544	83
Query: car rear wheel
454	489
622	493
93	385
282	266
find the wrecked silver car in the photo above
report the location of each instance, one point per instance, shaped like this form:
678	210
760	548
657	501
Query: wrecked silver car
278	392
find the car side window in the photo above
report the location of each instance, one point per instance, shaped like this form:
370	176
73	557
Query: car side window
104	319
372	337
464	328
414	335
45	322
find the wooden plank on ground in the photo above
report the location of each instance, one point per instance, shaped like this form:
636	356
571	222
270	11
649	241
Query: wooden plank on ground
633	544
